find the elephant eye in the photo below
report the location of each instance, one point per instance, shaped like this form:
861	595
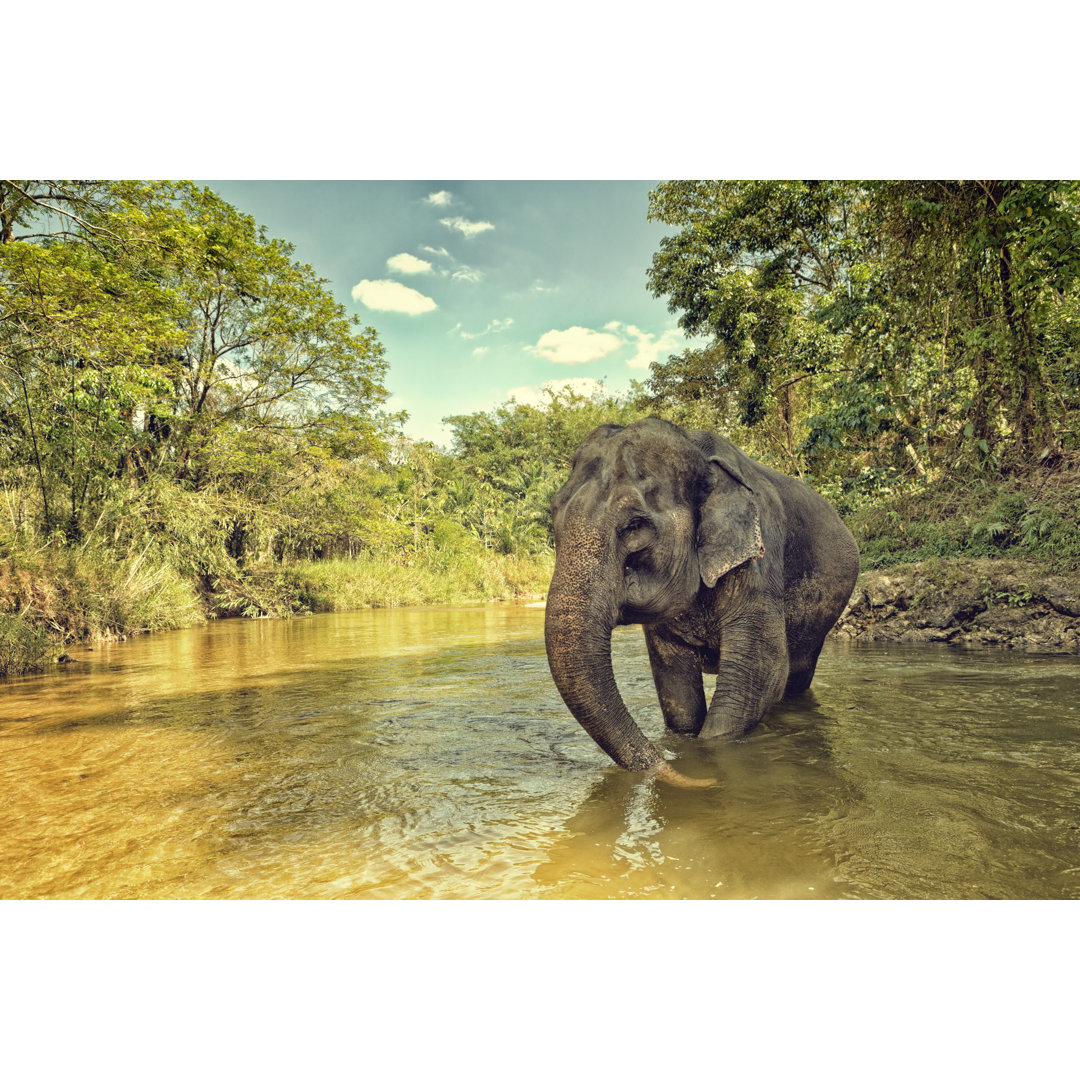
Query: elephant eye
638	562
637	536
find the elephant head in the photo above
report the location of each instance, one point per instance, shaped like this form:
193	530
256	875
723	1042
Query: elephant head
647	519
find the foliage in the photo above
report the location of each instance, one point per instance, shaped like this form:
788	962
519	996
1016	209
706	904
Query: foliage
906	325
373	581
188	417
163	335
507	464
191	426
1020	516
24	645
87	592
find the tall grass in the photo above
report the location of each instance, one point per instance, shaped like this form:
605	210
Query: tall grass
373	581
79	594
51	596
24	646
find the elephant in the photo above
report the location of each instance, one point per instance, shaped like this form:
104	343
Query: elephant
732	568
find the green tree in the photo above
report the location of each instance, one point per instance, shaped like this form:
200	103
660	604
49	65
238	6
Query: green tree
874	325
266	347
82	331
749	270
154	331
983	266
51	209
511	460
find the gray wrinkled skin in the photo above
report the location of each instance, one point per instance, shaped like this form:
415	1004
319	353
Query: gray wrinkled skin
733	569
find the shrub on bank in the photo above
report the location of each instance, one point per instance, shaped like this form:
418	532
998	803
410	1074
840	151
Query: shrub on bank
23	645
1034	516
53	597
79	594
372	581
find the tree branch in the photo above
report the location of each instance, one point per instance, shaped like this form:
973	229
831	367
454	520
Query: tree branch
53	209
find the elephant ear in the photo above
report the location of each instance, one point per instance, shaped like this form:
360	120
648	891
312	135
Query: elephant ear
729	529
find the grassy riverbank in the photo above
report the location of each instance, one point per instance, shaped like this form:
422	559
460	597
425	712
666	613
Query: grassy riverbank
1032	515
974	562
53	598
348	584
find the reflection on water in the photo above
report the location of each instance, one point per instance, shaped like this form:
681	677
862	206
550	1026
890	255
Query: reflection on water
425	753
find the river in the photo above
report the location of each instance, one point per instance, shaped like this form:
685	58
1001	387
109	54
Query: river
425	753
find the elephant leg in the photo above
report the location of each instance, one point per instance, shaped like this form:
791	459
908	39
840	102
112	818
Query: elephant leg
801	674
751	674
676	669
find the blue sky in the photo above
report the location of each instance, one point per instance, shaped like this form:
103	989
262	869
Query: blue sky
481	289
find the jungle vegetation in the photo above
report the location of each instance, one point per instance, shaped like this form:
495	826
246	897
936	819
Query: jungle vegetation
191	424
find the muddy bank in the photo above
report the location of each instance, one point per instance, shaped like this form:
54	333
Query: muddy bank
968	602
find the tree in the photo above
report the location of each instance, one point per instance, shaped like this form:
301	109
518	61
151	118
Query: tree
266	346
878	324
52	208
749	270
989	261
510	461
153	331
81	333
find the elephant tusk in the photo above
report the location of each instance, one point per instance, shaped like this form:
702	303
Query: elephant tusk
667	775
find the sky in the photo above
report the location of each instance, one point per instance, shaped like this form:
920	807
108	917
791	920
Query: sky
481	291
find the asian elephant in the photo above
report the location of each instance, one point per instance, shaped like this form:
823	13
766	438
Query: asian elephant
733	569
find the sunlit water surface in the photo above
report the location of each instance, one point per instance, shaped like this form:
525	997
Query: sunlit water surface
426	754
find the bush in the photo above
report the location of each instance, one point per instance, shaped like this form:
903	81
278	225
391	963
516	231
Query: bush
79	594
370	581
23	646
1012	518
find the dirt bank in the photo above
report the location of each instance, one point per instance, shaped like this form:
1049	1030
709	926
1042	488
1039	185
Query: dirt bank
1002	602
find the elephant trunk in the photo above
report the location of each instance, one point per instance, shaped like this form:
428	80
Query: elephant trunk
577	633
579	655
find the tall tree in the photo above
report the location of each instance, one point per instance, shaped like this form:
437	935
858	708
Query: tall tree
897	320
81	331
154	330
266	346
749	270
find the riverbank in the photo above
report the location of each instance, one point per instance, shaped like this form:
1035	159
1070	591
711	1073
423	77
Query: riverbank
54	599
51	599
1008	603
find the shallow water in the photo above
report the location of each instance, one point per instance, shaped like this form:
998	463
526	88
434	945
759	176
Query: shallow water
425	753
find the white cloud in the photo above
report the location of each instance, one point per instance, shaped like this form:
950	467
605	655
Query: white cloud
576	345
439	198
480	350
457	271
466	228
535	395
408	264
392	296
496	326
648	348
536	288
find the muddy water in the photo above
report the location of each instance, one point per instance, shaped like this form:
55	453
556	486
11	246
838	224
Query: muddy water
426	754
